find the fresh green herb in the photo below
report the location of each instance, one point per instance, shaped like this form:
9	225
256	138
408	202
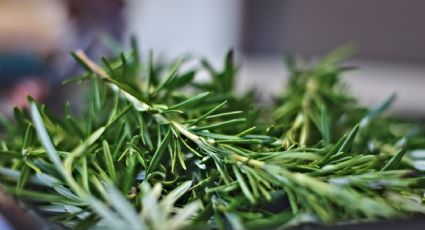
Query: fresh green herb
154	149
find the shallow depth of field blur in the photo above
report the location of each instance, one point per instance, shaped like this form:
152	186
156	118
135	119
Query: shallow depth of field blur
36	37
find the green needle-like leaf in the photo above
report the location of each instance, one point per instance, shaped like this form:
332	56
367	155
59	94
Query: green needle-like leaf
395	160
159	152
109	162
190	101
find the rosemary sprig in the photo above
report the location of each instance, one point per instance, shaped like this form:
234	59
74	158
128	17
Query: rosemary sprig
213	158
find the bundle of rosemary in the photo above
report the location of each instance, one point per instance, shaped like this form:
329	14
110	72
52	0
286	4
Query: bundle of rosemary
154	149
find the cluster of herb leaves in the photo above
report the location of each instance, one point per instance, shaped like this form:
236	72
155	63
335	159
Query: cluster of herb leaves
154	149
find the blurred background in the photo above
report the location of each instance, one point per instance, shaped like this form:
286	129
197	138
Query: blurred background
36	37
